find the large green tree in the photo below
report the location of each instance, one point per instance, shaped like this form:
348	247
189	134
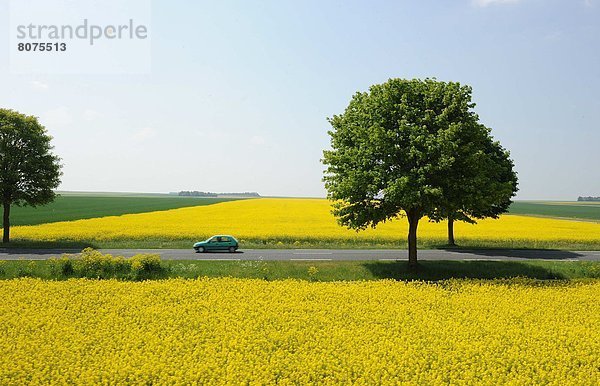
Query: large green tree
395	150
29	171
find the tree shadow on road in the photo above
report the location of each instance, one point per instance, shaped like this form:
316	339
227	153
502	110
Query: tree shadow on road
443	270
534	254
17	247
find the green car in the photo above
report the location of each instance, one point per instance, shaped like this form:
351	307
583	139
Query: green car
218	243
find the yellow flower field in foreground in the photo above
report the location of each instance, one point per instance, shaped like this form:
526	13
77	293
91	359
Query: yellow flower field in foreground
236	331
295	219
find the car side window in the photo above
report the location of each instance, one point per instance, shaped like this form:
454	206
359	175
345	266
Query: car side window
225	239
214	240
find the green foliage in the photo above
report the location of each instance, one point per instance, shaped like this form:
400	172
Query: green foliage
339	270
30	171
481	182
414	147
592	268
259	267
144	266
61	267
96	265
27	269
393	149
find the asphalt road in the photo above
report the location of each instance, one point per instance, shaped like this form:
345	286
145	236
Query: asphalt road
322	254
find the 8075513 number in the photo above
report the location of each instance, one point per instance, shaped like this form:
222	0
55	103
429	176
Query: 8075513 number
42	47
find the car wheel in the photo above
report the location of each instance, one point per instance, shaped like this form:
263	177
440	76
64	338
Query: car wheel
231	249
201	249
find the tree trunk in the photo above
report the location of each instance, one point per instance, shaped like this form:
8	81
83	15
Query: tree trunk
413	223
451	232
6	223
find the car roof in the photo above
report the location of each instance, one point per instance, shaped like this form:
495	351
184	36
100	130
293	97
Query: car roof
222	236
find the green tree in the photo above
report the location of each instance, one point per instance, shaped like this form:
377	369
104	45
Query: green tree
395	150
29	170
482	183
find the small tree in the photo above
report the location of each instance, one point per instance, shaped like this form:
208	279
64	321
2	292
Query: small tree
482	185
29	169
394	150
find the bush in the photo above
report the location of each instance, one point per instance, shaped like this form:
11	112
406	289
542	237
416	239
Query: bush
27	270
94	264
61	266
144	266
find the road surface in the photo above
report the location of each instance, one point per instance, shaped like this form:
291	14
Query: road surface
322	254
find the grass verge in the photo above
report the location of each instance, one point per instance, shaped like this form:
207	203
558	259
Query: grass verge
60	269
308	243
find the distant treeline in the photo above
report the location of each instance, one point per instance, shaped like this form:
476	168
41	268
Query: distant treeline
195	193
588	198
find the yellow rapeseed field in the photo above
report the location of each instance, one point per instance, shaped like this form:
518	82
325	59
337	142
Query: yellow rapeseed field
236	331
293	220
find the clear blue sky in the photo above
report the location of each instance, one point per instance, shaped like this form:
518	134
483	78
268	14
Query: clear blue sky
239	92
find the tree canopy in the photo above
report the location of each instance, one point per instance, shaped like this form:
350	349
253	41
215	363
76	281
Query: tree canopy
29	170
481	184
411	147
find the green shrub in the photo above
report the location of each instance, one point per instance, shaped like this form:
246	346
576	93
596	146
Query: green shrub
94	264
62	266
592	268
27	270
145	266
